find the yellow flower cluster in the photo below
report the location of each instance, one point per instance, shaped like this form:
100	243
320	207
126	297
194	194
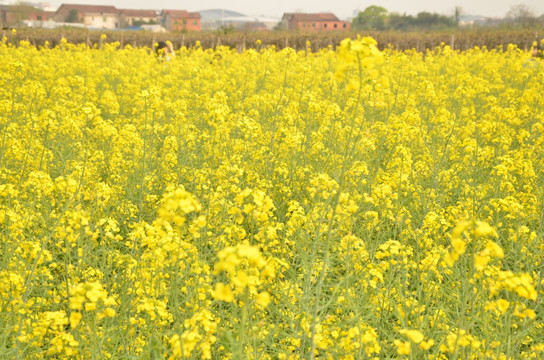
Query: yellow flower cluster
458	340
414	336
87	296
247	272
479	229
199	333
348	203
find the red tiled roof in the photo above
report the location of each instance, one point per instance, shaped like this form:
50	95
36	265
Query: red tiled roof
184	14
140	13
64	9
311	17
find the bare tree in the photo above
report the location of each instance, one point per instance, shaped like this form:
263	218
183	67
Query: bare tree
521	15
20	11
457	13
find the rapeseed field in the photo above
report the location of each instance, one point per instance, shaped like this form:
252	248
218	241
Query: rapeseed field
334	204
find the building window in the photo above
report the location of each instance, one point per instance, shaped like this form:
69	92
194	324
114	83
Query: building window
325	25
194	22
335	26
313	25
39	17
344	26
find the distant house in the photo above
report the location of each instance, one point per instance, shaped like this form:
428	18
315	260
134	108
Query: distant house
41	15
97	16
13	15
472	20
313	22
180	20
131	17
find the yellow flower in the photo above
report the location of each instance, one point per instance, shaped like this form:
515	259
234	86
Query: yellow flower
502	305
306	186
403	347
262	299
494	250
241	279
414	335
451	258
484	229
459	229
458	245
426	345
223	293
481	261
75	318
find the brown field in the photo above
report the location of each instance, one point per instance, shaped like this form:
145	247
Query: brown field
460	40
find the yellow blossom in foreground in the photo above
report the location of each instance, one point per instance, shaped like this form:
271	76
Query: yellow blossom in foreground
270	203
75	318
426	345
484	229
262	299
222	292
414	335
403	347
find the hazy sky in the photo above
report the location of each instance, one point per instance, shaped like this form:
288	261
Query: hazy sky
343	9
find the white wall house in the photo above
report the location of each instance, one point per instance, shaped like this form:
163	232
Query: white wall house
96	16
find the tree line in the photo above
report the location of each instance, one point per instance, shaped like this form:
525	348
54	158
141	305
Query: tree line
378	18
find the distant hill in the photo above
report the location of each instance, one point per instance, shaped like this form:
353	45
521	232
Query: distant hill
214	19
216	14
